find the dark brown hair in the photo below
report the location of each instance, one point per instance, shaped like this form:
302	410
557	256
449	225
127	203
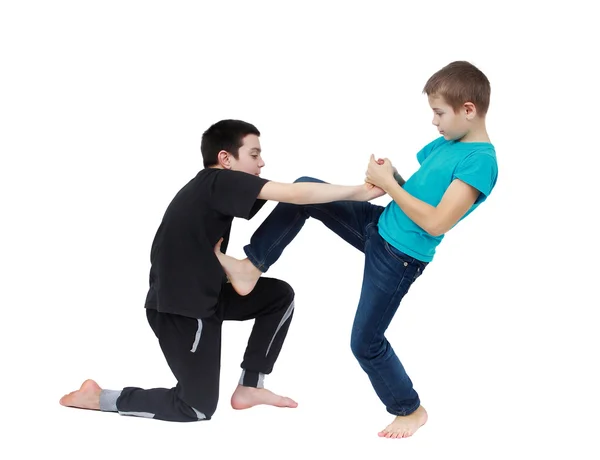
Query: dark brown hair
460	82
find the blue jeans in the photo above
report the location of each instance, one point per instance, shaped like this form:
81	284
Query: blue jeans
388	274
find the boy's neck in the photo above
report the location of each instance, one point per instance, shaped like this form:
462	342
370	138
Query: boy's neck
478	133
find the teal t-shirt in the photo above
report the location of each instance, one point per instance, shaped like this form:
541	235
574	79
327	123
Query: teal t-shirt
441	162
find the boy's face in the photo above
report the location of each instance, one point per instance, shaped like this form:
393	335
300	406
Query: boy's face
249	159
451	125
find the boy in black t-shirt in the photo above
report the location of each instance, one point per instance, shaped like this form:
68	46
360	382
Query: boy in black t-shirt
189	296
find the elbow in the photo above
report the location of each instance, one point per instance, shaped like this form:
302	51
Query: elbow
435	229
435	233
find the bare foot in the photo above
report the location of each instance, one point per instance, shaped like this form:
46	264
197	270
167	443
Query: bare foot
246	397
405	426
241	273
87	397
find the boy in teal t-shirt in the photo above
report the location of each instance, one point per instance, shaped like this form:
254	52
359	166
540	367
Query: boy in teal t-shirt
458	172
441	162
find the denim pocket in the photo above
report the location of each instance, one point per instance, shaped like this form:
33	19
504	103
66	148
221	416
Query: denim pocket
397	254
417	266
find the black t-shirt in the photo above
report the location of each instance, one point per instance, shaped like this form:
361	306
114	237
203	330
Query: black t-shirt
186	276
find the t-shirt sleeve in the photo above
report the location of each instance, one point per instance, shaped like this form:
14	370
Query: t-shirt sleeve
425	151
479	170
234	193
258	204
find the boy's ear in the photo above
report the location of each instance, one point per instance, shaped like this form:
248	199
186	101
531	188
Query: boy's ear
470	110
224	159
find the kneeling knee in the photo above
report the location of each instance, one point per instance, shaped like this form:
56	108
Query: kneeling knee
286	290
206	412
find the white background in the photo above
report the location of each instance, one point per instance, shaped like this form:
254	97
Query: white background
102	108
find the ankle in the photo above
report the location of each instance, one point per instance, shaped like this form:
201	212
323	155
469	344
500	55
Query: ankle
252	379
250	267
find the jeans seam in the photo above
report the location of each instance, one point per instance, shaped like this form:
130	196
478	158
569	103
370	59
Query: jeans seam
339	221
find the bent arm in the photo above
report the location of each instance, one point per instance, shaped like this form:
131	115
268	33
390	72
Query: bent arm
398	178
436	220
311	192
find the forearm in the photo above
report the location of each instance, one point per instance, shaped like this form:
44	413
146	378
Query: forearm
399	179
318	192
421	213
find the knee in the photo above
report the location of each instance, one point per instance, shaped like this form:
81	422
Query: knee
290	291
359	347
199	404
205	411
284	291
307	179
287	292
365	349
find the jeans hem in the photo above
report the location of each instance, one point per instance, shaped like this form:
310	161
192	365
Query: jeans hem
405	412
262	267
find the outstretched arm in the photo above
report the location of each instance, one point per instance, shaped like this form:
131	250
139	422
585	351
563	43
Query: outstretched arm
317	192
435	220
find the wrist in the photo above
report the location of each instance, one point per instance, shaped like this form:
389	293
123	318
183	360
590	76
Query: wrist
399	179
389	183
360	190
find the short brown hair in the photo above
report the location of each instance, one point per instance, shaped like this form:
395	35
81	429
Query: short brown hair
460	82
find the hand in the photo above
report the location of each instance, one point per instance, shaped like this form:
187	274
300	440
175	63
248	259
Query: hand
380	161
398	178
371	192
217	247
380	172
